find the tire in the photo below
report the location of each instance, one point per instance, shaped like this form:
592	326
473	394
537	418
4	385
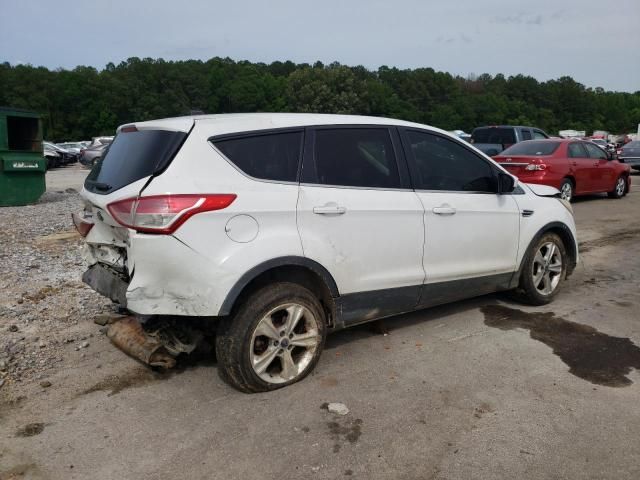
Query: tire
538	268
566	189
619	189
256	346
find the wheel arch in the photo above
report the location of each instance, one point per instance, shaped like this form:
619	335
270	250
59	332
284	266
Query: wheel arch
304	271
565	234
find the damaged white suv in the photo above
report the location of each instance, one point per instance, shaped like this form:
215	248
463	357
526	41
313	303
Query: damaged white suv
280	228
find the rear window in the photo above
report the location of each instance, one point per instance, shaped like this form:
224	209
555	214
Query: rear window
532	148
132	156
273	156
503	136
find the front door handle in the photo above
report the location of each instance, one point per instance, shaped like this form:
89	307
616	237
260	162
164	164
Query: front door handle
444	210
330	209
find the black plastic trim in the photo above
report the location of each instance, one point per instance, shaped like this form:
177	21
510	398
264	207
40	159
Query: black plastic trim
312	265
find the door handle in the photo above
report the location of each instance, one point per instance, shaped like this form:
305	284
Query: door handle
444	210
330	209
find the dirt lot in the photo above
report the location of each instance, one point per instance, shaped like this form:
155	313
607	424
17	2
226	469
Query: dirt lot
480	389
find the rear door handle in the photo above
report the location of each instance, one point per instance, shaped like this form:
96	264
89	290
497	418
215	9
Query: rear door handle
330	209
444	210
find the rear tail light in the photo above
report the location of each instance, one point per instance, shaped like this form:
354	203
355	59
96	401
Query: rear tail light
165	213
535	166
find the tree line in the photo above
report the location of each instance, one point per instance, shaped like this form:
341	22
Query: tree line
85	102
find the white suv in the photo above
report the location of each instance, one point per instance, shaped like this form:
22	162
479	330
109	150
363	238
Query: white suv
284	227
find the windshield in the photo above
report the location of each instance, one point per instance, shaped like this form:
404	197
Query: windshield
132	156
532	148
503	136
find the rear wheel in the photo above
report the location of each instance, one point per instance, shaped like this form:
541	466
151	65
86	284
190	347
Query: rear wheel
620	188
566	189
543	271
274	339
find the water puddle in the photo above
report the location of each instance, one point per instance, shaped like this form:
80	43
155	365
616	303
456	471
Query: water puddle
591	355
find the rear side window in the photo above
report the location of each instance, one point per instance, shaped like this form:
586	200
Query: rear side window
273	156
356	157
442	164
526	134
132	156
503	136
532	148
576	150
537	134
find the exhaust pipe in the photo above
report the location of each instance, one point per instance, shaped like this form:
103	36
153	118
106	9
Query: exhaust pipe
128	335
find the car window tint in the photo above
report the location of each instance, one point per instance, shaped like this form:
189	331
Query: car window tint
576	150
443	164
526	134
356	157
504	136
273	156
532	147
537	134
595	152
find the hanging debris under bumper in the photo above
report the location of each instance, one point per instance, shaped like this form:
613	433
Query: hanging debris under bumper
106	282
157	344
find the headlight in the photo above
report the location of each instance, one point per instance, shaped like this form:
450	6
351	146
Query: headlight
567	204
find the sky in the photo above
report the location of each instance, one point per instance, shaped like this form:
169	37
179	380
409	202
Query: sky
594	41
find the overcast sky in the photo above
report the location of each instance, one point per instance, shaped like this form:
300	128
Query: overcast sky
596	42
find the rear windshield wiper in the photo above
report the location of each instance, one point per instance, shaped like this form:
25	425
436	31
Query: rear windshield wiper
103	187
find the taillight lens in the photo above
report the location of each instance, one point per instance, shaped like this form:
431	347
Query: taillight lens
165	213
535	166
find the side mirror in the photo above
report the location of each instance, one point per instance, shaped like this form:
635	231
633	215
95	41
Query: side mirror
506	183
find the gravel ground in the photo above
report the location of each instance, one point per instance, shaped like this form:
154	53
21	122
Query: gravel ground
42	298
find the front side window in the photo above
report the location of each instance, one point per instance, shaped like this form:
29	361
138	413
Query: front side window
273	156
595	152
356	157
443	164
526	134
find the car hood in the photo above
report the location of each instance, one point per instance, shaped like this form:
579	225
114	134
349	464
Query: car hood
543	190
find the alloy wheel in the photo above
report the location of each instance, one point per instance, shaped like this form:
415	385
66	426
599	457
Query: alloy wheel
566	191
547	268
620	187
284	343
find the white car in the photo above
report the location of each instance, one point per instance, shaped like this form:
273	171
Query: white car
280	228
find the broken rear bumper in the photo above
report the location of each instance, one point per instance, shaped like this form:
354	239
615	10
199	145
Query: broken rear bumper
106	282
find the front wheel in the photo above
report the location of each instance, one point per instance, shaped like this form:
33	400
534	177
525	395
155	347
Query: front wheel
274	339
619	189
543	271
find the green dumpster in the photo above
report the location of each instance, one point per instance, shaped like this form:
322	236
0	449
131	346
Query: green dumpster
22	165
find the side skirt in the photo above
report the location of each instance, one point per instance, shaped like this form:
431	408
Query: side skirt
362	307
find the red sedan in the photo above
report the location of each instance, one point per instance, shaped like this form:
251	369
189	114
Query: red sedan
574	167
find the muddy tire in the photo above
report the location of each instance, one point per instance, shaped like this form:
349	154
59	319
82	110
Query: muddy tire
273	339
619	189
544	270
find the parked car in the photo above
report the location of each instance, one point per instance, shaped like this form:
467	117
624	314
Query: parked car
89	156
630	154
281	228
65	156
606	146
575	167
494	139
73	147
52	156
